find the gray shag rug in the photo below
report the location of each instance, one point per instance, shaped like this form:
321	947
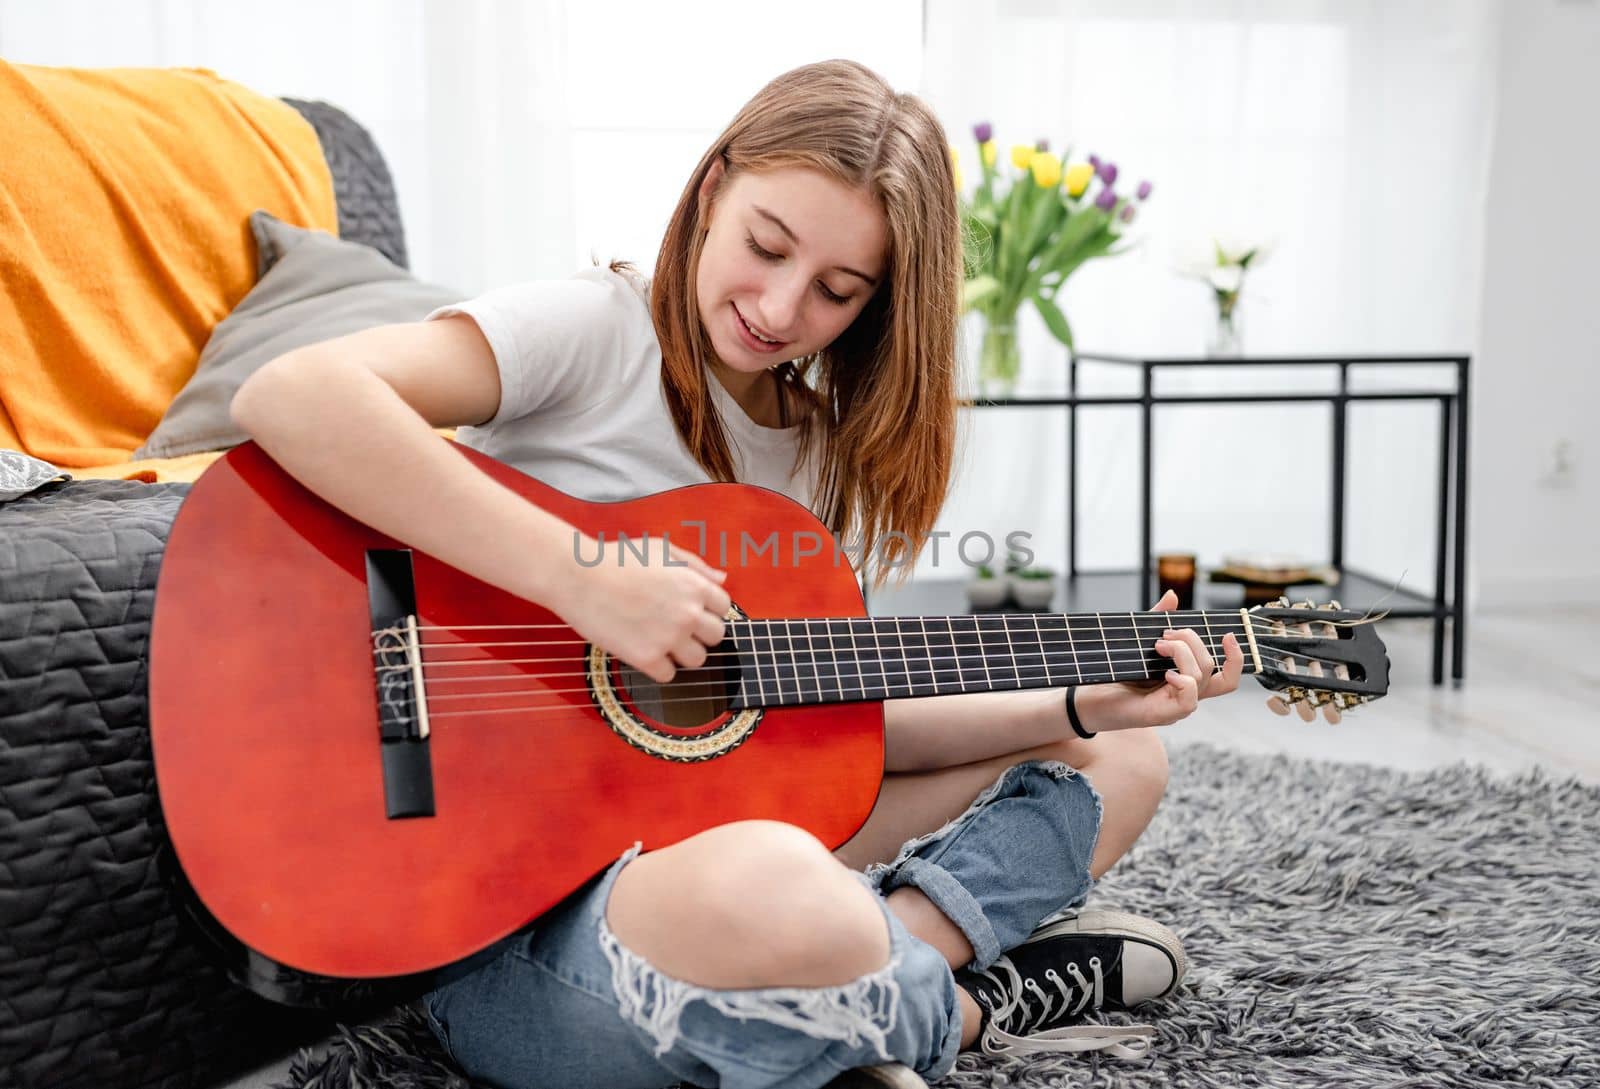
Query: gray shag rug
1346	925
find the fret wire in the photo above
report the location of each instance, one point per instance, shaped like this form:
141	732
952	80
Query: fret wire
833	649
831	660
1072	650
811	646
760	672
877	646
1011	649
744	678
856	662
955	653
1044	659
794	666
971	631
1104	642
986	625
927	650
903	635
833	657
912	652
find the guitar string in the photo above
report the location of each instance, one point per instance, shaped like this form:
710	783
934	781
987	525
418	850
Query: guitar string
1107	648
839	679
1230	614
739	632
822	655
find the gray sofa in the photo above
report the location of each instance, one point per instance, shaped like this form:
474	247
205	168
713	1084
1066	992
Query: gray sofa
109	974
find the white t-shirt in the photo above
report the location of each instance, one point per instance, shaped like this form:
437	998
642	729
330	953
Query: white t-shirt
581	404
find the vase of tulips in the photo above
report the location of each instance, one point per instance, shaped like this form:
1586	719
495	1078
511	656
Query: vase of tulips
1028	229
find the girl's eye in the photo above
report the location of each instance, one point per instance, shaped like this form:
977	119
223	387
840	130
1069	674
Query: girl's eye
755	248
768	255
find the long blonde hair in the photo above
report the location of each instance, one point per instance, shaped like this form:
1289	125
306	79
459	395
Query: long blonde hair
881	398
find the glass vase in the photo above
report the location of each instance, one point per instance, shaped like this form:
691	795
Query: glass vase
1226	338
999	361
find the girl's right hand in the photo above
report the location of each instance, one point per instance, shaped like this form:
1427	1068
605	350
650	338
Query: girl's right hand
656	617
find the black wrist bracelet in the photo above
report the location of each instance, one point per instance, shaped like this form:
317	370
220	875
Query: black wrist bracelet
1072	715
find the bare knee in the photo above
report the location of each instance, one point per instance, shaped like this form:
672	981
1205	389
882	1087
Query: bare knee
1139	756
749	904
1143	756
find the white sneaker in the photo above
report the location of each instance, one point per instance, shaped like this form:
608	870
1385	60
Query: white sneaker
888	1076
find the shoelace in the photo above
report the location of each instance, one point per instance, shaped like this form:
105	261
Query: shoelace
1015	1015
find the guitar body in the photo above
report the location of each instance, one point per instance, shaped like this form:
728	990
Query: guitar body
265	724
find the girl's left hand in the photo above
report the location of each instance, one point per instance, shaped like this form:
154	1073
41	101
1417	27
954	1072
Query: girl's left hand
1194	677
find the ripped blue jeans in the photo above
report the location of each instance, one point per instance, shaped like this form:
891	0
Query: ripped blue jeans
567	1006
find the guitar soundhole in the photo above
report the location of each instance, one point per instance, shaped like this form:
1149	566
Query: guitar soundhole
692	700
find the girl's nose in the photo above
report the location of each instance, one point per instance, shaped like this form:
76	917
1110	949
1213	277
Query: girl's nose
780	309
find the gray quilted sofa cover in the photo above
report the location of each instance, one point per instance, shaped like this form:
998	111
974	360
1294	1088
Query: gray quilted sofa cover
106	980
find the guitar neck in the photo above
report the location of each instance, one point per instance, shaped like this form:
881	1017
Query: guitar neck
791	662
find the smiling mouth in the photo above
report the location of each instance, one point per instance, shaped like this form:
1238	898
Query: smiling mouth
751	330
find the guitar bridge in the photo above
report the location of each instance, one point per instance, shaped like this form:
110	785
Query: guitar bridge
404	748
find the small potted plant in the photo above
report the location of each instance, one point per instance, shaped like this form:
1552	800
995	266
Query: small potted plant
1033	587
987	590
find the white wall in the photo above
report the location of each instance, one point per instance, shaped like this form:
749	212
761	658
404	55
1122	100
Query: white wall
1536	534
1357	133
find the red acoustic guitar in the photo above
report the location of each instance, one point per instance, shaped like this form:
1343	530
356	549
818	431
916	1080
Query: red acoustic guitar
373	765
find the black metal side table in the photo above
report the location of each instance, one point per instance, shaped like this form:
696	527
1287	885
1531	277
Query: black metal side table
1117	590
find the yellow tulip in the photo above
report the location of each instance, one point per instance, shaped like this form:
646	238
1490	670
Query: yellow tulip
989	151
1022	155
957	169
1046	169
955	155
1078	176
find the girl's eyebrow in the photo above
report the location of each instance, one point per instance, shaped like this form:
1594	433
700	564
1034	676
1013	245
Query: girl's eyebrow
784	227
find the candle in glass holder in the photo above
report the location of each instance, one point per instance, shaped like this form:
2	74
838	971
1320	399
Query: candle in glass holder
1175	572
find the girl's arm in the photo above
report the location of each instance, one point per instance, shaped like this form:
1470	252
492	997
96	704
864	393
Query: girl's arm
926	732
352	419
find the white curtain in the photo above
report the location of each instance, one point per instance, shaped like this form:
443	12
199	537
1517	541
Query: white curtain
1355	134
523	134
526	136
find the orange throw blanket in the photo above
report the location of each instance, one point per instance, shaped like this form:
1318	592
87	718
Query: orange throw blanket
124	194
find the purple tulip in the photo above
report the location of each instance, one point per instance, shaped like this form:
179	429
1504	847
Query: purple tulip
1094	161
1042	145
1127	213
1144	190
1108	173
1107	200
983	132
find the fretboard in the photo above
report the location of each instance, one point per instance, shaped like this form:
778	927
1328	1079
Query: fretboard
789	662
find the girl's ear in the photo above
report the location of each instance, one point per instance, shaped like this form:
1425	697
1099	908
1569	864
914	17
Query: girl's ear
708	189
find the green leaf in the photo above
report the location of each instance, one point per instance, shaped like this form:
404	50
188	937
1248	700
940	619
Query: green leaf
1054	319
978	290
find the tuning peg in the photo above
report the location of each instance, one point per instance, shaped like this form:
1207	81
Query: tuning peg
1334	605
1307	604
1276	705
1331	713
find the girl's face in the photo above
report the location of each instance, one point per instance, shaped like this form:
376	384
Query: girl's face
792	256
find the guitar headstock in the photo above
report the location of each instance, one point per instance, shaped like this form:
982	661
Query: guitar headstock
1314	657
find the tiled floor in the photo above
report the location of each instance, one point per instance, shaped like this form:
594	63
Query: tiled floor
1533	684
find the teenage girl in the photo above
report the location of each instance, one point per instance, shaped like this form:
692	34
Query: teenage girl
799	333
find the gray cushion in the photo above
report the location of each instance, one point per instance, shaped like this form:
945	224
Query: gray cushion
313	287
